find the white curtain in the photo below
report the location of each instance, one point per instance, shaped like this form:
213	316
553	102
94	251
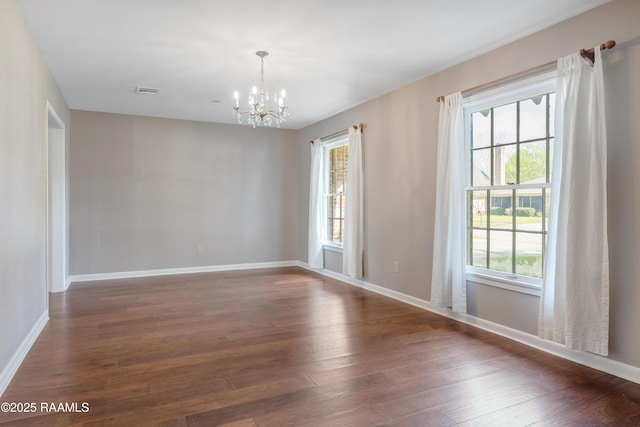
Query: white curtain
574	306
448	286
316	203
353	245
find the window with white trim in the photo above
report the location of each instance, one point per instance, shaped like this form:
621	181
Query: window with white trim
509	139
336	154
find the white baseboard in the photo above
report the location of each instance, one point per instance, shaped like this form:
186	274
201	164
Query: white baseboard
173	271
12	367
67	282
604	364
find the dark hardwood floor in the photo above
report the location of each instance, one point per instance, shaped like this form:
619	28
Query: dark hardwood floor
285	347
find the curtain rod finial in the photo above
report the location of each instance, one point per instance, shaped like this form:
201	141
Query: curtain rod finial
589	53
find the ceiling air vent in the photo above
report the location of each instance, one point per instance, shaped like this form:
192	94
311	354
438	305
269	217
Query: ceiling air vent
147	90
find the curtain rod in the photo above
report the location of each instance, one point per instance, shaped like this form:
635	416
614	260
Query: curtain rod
585	53
340	132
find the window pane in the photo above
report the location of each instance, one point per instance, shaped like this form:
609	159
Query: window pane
550	158
501	203
552	114
337	230
331	207
335	217
339	182
332	181
533	162
479	208
505	163
529	211
479	248
332	159
481	125
533	118
481	174
547	207
501	251
529	254
504	124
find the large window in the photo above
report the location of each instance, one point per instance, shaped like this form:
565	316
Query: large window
336	172
510	135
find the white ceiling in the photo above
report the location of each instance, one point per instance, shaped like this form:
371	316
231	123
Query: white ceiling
329	55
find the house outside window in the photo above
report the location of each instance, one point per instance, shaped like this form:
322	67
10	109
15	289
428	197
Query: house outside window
509	139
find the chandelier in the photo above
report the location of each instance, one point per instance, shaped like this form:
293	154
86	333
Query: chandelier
261	111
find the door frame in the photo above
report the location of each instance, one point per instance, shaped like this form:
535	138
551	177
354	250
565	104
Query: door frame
55	166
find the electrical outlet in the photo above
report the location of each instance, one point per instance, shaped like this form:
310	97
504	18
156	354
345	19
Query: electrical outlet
396	266
200	248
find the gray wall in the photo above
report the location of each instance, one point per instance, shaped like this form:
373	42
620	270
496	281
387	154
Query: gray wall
25	87
146	192
399	149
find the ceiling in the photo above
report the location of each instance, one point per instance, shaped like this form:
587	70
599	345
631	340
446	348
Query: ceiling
329	55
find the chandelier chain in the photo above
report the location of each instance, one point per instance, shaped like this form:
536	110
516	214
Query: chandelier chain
262	72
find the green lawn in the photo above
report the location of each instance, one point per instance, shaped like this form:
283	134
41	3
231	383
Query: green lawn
480	220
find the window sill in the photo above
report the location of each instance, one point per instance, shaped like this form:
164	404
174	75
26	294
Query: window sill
503	283
332	247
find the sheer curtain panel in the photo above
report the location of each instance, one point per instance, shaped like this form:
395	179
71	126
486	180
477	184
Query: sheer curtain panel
353	245
448	283
574	306
316	203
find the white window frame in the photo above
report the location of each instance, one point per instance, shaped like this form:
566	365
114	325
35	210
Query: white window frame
522	89
334	143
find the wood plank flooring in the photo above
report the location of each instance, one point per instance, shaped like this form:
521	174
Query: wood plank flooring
285	347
